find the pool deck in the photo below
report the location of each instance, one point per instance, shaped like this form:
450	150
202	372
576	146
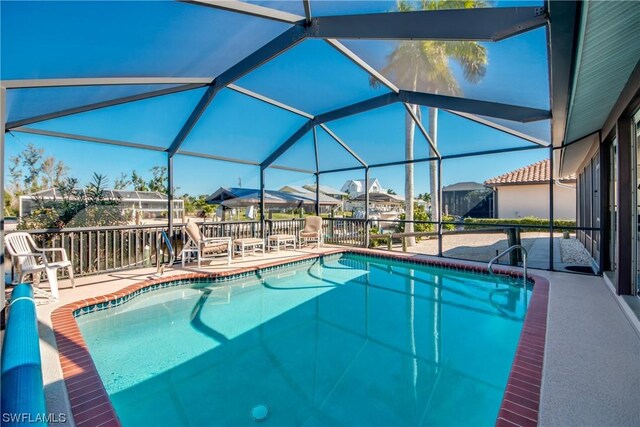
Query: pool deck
591	372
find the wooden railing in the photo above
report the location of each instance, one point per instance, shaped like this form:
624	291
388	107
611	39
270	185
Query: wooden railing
97	250
345	231
94	250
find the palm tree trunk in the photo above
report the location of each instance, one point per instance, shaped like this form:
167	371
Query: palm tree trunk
433	171
410	128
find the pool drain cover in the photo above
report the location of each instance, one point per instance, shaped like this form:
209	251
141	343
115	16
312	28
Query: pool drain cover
259	413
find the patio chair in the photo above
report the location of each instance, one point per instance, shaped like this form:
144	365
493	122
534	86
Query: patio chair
34	260
312	231
202	246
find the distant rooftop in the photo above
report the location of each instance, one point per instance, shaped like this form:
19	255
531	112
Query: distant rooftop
53	193
251	196
537	173
295	189
464	186
325	189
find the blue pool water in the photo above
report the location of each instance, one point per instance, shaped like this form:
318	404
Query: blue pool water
345	340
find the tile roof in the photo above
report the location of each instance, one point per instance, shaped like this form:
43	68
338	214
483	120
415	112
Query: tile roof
537	173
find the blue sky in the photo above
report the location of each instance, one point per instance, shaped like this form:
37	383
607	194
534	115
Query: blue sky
156	38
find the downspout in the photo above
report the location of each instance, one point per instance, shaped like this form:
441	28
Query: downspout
560	184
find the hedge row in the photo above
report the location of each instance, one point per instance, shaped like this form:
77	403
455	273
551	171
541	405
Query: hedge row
529	220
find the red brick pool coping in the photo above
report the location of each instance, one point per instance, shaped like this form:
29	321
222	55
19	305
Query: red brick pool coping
91	406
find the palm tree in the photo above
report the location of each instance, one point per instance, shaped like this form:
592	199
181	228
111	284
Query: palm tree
425	66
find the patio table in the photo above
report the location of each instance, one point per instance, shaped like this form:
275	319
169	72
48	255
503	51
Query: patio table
275	241
248	245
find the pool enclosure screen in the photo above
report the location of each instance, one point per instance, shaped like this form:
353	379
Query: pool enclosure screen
305	88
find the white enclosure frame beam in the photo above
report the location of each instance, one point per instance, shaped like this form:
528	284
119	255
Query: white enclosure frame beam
362	64
270	101
102	104
249	9
103	81
62	135
85	138
501	128
214	157
343	144
239	161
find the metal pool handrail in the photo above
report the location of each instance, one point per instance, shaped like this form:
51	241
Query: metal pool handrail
506	251
172	254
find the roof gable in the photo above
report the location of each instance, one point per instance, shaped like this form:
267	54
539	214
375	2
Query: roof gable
537	173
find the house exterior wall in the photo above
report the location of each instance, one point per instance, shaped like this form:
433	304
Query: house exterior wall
357	187
517	201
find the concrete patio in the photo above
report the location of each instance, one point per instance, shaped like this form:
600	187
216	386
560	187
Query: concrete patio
482	247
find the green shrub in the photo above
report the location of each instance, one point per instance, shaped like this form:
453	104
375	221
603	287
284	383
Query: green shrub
529	220
448	218
419	214
75	208
374	243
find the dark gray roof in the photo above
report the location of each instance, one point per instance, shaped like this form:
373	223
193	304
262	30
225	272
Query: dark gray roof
250	196
464	186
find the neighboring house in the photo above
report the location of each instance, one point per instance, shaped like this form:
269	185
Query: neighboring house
147	204
379	198
233	198
329	191
327	203
467	199
525	192
355	187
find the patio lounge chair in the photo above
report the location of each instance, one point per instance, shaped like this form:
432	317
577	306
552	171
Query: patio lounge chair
312	231
33	260
201	246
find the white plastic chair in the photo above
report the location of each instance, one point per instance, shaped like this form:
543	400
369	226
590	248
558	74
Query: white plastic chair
33	260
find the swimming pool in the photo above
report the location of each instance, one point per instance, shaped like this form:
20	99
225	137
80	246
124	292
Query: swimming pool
340	340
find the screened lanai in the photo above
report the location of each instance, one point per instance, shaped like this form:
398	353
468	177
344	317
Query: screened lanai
433	138
270	93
